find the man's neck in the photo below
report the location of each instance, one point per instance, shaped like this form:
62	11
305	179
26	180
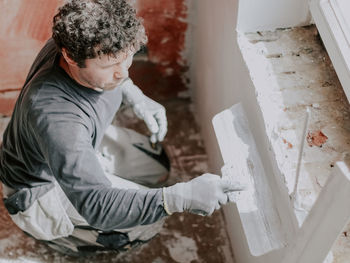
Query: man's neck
63	64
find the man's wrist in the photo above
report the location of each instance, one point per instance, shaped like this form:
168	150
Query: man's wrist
165	205
131	93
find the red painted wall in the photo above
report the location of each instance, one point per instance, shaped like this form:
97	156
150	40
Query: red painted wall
165	22
26	25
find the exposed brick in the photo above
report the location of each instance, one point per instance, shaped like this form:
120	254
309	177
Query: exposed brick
300	76
294	72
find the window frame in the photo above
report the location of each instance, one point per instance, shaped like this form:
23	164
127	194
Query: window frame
335	34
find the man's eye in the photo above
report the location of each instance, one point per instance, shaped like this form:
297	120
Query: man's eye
111	66
107	67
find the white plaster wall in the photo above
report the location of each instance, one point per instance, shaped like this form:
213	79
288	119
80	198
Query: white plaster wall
271	14
220	79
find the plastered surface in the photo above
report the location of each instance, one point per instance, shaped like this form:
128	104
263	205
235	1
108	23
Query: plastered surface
292	71
222	78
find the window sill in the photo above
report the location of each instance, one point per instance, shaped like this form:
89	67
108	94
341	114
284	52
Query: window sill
335	33
291	72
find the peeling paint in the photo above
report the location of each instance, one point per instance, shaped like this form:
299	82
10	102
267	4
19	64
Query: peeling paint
166	26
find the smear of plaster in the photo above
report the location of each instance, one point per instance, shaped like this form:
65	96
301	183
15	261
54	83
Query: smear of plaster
182	249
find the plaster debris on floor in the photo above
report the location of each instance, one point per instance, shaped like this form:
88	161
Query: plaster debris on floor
291	72
184	237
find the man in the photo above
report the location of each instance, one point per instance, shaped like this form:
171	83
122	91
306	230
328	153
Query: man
69	178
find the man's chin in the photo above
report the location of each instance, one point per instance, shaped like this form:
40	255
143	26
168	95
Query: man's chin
110	86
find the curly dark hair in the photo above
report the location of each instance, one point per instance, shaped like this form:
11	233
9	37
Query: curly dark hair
90	28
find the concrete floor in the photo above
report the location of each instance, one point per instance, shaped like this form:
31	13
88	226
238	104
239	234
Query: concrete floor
184	237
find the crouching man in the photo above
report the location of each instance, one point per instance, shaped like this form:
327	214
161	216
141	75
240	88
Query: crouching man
69	177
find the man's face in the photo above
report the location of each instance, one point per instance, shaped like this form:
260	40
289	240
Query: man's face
105	72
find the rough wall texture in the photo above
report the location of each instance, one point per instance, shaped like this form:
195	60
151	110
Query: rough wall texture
26	25
165	22
166	26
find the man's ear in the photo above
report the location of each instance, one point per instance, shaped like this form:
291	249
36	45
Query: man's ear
68	59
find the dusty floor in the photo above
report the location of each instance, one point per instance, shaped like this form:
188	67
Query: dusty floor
184	238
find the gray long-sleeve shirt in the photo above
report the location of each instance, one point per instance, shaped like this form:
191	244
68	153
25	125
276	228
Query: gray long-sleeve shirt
55	128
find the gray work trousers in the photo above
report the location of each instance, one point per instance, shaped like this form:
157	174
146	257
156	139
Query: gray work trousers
52	218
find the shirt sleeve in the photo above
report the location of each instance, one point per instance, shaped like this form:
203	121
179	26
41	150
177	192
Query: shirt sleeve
66	146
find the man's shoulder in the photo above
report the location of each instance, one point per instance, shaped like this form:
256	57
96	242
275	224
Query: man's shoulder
48	94
45	88
47	108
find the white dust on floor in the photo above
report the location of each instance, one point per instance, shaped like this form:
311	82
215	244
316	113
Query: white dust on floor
182	249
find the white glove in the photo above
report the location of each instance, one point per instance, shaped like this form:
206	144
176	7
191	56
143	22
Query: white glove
146	109
241	177
202	195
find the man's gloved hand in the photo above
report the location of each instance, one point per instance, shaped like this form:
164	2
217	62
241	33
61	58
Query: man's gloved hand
146	109
154	116
202	195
